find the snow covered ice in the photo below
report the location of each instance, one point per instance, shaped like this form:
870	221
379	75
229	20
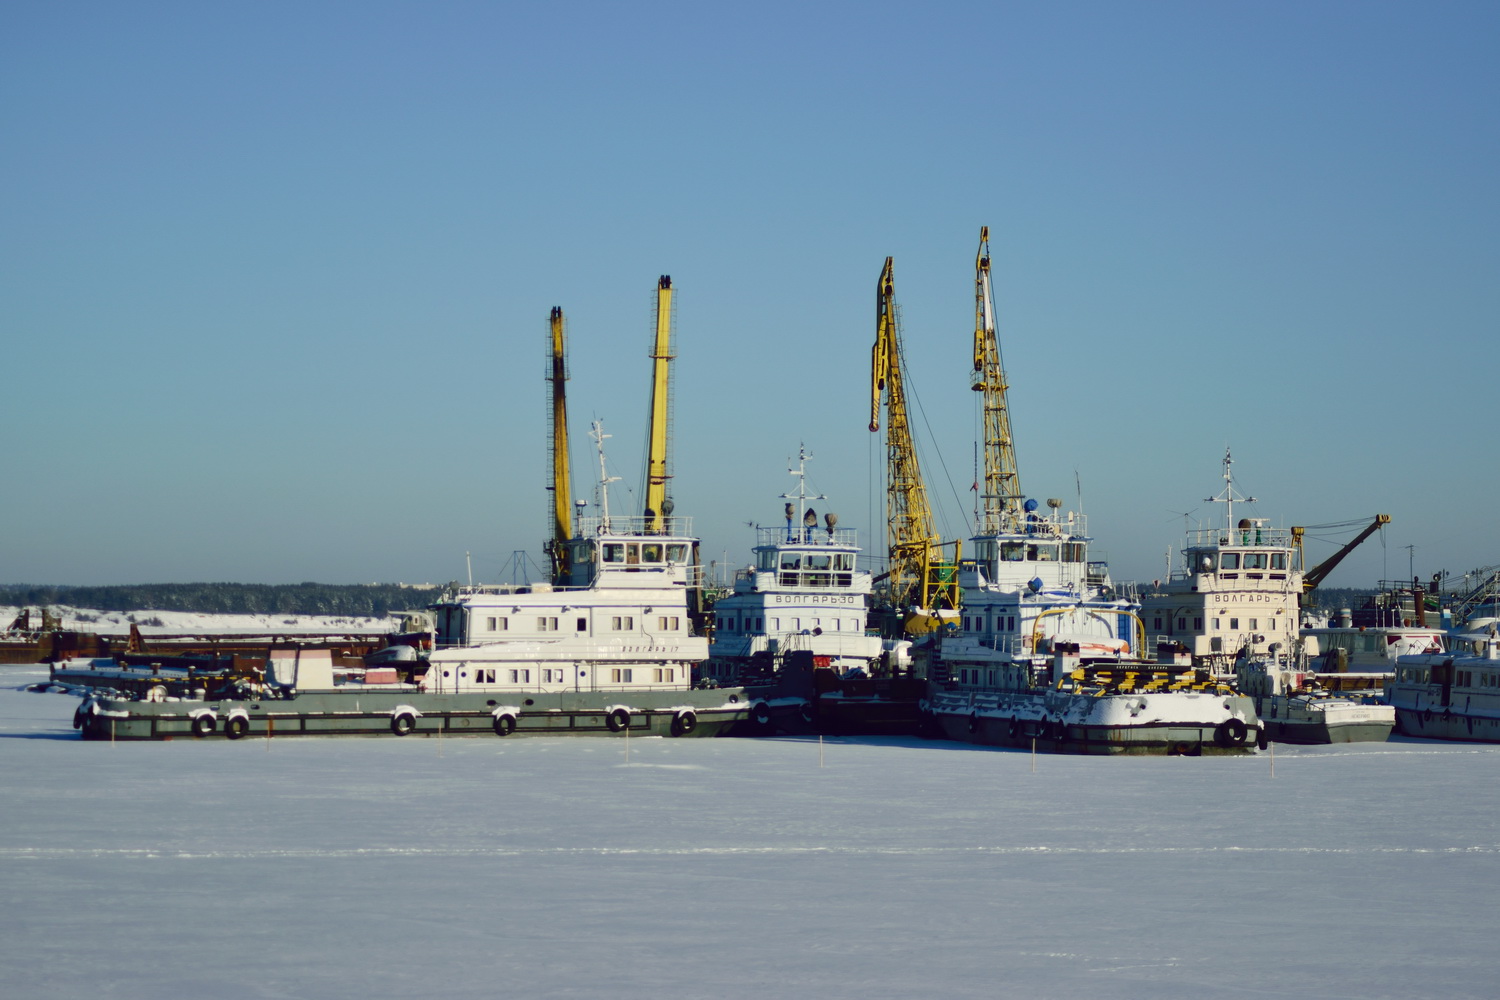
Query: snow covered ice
482	867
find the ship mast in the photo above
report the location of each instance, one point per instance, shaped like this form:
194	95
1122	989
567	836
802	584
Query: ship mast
659	428
1000	501
561	487
1227	497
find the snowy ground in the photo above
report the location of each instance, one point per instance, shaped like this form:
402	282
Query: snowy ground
481	867
190	622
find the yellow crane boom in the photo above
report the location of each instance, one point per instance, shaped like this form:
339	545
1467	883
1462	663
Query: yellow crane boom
561	487
1000	500
917	575
659	429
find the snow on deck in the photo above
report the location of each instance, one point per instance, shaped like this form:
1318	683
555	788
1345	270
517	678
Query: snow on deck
478	867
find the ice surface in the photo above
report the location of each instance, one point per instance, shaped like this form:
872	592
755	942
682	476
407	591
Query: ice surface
484	867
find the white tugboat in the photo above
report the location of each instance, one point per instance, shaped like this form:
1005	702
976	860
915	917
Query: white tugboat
1233	607
1048	654
794	629
607	647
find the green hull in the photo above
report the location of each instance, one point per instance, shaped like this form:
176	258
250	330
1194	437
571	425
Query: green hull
371	713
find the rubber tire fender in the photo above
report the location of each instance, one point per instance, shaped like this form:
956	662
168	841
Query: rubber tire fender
236	727
1231	733
505	724
761	715
618	720
403	723
78	716
974	722
203	724
684	722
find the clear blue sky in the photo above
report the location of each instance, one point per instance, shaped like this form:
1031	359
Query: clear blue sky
276	276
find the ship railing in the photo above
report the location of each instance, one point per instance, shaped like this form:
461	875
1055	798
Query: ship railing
1253	535
798	535
630	524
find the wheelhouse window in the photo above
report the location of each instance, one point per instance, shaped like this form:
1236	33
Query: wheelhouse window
1229	560
614	552
1012	551
1256	560
677	553
1278	560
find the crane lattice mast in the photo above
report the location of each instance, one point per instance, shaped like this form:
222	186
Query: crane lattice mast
917	576
1000	499
561	485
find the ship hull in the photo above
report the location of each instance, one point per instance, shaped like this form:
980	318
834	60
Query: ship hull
1443	724
1175	725
416	713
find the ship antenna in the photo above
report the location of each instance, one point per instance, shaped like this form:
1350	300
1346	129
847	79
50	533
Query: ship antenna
1227	497
597	433
801	496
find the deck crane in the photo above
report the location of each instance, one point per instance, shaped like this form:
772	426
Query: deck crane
918	576
658	471
1311	578
1000	500
561	488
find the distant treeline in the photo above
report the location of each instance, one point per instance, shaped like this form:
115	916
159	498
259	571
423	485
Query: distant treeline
344	599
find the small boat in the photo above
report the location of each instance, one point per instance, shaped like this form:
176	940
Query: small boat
1453	695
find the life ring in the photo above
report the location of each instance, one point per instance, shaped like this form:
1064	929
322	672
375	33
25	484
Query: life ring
684	722
617	720
403	723
236	727
505	724
1231	733
203	724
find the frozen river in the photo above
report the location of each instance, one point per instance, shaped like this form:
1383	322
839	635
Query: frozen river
485	867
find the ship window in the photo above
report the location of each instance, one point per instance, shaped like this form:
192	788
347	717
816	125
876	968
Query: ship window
1041	553
1255	560
1156	624
621	675
1254	624
1229	560
775	624
583	625
677	553
1217	626
520	676
632	553
1234	624
1205	563
546	624
1073	552
1272	625
484	675
1198	624
668	624
651	552
498	624
1278	560
1012	551
664	675
622	623
791	560
1182	624
614	552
